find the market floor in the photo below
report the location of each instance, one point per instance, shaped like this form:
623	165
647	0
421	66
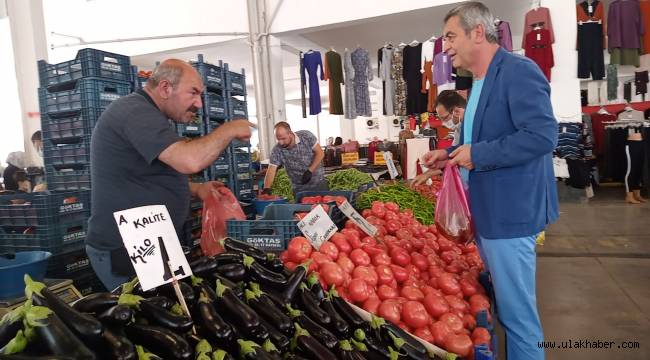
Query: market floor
593	278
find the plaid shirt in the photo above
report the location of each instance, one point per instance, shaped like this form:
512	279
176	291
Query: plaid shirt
298	159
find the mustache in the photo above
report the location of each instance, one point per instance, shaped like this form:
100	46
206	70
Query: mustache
193	109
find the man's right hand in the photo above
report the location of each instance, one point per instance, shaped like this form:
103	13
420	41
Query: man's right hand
267	191
436	159
240	129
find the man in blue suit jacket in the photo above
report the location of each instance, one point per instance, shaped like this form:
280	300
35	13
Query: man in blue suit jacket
508	136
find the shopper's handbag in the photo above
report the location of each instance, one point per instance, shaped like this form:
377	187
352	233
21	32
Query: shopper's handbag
217	209
453	218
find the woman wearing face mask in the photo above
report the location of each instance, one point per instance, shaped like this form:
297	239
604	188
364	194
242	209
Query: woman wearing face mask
13	175
36	172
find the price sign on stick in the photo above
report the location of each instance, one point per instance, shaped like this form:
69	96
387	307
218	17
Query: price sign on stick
356	218
317	227
150	239
392	170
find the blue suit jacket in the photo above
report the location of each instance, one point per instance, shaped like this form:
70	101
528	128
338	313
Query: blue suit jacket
512	188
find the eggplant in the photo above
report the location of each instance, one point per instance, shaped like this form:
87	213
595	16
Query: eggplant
272	350
145	355
402	346
186	289
338	325
258	334
347	352
242	247
234	272
202	348
366	352
162	301
376	349
159	316
314	286
10	324
118	315
166	343
235	309
278	338
388	331
203	266
96	303
220	354
229	258
126	288
35	357
312	348
310	305
347	312
274	263
119	347
238	289
212	324
321	334
249	350
262	275
265	307
288	293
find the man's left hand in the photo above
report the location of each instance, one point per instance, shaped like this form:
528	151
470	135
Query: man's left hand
205	189
462	157
306	177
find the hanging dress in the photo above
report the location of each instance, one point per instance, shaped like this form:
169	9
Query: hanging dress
334	73
385	69
313	61
362	74
350	105
399	101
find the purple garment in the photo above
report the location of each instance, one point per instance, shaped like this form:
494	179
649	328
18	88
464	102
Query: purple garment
442	69
437	47
505	36
312	61
624	28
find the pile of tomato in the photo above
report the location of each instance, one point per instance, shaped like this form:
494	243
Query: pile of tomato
408	274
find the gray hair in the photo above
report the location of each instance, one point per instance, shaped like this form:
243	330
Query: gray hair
475	13
169	70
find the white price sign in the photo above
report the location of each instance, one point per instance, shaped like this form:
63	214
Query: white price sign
317	227
392	170
356	218
151	241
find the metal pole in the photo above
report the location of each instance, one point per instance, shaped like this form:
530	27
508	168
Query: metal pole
83	42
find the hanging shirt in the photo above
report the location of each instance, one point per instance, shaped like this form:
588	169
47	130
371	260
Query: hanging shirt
537	17
468	120
505	36
442	69
539	49
645	15
625	25
437	46
427	53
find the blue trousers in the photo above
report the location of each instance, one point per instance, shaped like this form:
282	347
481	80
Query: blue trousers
101	263
512	264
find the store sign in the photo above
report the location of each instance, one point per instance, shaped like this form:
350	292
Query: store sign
392	170
150	239
356	218
317	227
350	158
379	158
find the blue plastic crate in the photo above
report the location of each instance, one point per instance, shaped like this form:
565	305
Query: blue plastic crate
88	284
226	179
221	166
237	108
193	128
240	144
69	264
337	216
236	83
12	271
242	162
243	189
212	75
44	209
71	127
58	238
60	179
87	63
215	107
67	155
87	92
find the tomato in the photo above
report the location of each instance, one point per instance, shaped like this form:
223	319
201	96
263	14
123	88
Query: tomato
290	265
353	237
440	331
391	216
372	304
345	263
412	293
386	292
420	261
478	302
299	249
378	209
332	274
368	240
404	234
418	243
341	242
311	199
399	273
391	206
400	257
340	200
469	322
390	310
481	336
359	257
366	212
448	284
459	344
319	258
372	250
424	333
384	274
367	274
330	250
457	304
381	259
435	305
392	226
454	322
358	291
415	315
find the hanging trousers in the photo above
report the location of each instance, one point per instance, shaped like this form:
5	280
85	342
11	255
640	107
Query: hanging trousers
635	152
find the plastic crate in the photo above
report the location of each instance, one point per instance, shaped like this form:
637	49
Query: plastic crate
87	63
212	75
87	92
243	189
215	107
42	209
67	155
69	264
237	108
337	216
236	82
193	128
240	144
200	177
88	284
242	161
71	127
226	179
61	179
56	238
222	165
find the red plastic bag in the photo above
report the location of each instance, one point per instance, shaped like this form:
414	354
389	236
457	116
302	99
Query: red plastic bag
218	208
453	218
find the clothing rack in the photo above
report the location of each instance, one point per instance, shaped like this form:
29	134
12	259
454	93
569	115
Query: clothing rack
622	124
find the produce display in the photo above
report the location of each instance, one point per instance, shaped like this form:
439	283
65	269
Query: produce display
405	197
282	185
350	179
408	275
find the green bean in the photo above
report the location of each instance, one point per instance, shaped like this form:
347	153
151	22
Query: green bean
282	185
406	198
350	179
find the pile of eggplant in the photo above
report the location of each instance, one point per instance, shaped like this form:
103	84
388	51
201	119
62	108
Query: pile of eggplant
243	304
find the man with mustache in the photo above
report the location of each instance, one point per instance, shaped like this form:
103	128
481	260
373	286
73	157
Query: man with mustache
301	155
138	159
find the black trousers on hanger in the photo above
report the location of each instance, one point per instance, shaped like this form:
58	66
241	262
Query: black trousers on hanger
635	152
590	51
